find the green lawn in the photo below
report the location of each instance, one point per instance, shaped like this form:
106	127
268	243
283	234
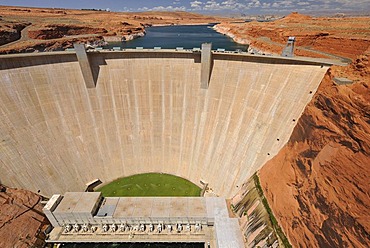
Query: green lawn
150	184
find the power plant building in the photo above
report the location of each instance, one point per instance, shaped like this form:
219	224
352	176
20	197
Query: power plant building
89	217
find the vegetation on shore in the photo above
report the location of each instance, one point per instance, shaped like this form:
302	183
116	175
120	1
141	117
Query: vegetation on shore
274	222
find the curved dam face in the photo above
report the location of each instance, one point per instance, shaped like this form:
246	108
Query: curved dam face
147	113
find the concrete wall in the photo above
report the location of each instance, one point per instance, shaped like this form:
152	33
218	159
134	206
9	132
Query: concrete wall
147	113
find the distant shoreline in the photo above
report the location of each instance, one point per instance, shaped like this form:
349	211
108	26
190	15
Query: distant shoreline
185	24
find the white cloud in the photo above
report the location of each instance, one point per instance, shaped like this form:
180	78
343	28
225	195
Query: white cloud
254	4
163	8
286	3
196	5
125	9
263	5
143	9
169	8
266	5
211	5
303	3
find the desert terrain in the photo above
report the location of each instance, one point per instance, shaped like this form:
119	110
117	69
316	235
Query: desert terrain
322	198
323	37
37	29
22	222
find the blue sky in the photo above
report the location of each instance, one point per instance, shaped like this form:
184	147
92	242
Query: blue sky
205	6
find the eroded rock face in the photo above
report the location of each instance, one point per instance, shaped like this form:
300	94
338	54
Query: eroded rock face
254	219
10	31
59	31
318	185
22	222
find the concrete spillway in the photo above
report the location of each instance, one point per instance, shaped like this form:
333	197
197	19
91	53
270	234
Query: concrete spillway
147	113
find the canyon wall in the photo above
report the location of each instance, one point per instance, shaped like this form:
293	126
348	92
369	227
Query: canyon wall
318	184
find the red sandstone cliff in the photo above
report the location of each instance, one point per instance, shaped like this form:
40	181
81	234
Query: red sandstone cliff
21	219
318	185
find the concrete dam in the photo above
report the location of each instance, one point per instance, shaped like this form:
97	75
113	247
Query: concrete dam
147	112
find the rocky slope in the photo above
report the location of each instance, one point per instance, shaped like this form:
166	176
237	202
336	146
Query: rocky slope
10	31
254	220
59	31
22	222
318	185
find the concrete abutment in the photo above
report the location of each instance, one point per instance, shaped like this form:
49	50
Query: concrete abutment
206	60
84	62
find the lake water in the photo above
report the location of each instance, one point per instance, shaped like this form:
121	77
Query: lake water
186	36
